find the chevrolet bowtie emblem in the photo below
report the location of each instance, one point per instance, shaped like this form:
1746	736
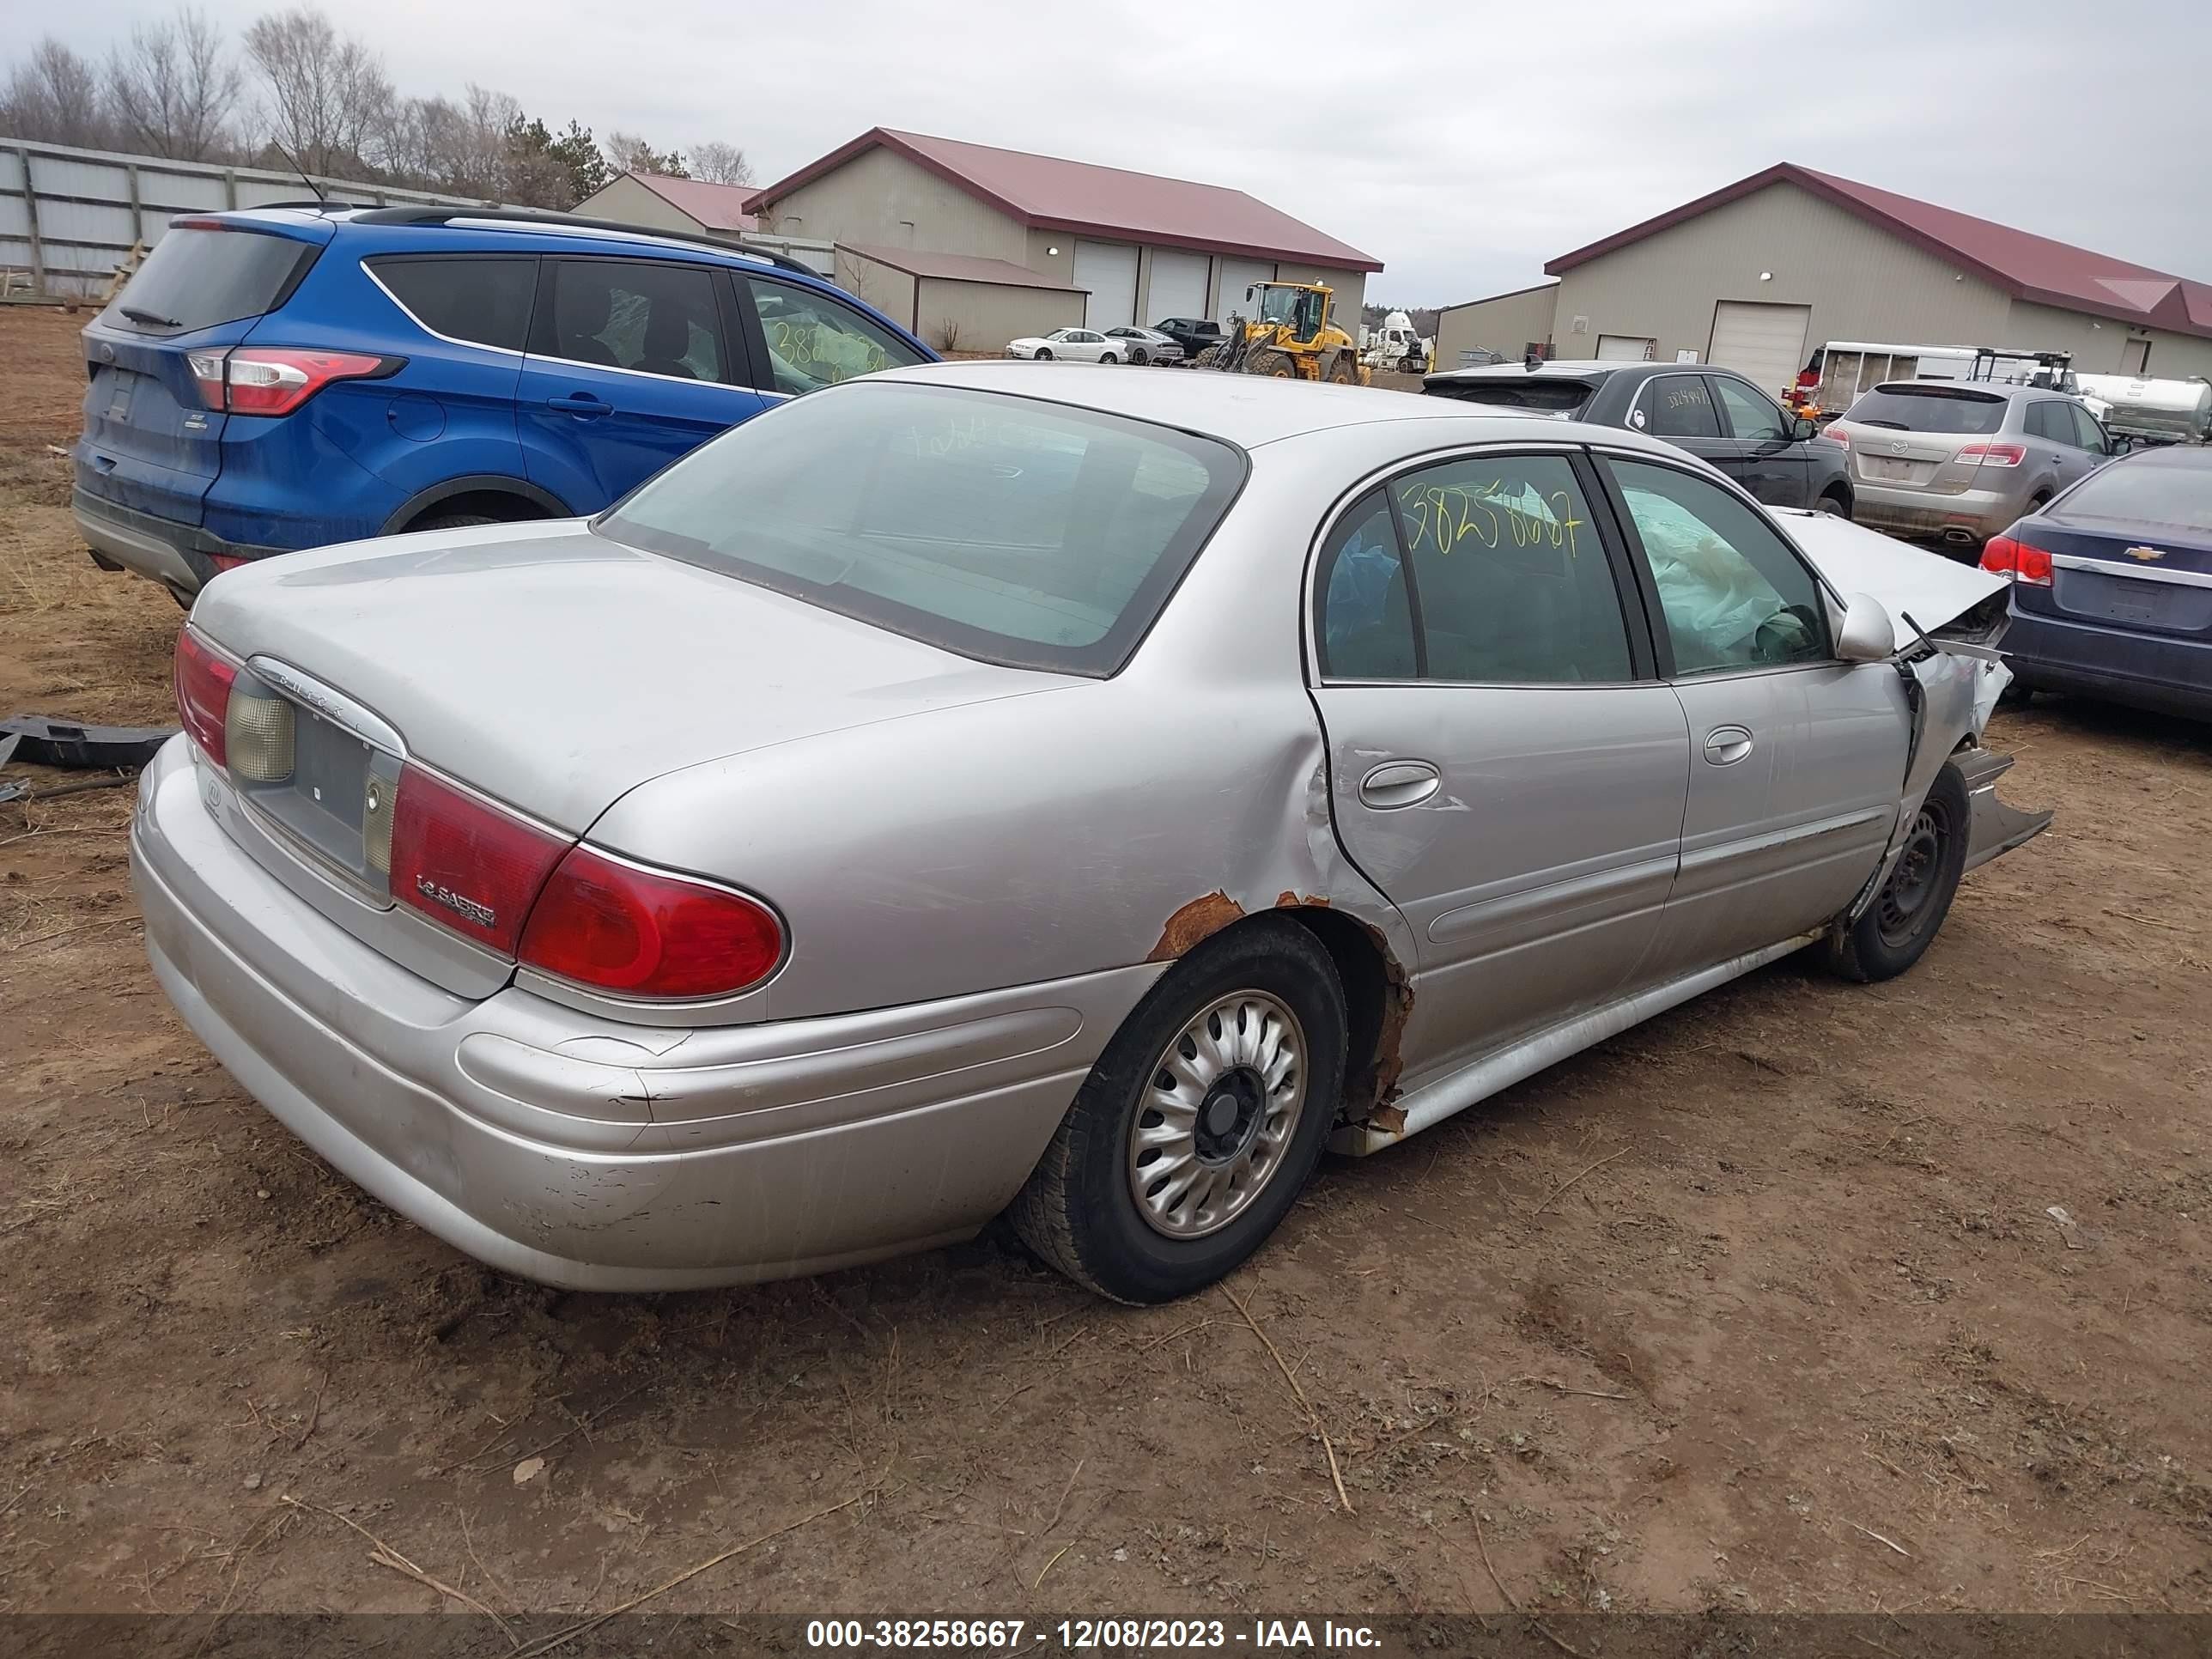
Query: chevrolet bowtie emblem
2146	554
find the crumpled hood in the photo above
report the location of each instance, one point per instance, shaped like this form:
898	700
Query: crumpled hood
1907	579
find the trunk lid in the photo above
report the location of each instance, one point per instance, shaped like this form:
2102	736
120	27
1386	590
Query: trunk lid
150	440
2130	548
602	667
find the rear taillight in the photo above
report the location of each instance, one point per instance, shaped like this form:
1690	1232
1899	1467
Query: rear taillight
617	927
463	862
204	680
1993	455
277	379
2016	561
207	374
227	561
1838	434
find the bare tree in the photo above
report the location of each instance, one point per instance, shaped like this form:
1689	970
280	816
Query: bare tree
54	96
718	163
328	95
462	148
627	153
172	89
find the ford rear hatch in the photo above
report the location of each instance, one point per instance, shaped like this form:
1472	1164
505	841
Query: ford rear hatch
153	443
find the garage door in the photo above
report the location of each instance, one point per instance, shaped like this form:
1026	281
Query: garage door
1237	276
1178	286
1627	348
1108	269
1765	344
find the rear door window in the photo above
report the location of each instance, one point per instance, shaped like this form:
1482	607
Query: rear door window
1364	626
1510	582
2040	424
814	341
1679	406
636	315
1944	409
195	278
481	301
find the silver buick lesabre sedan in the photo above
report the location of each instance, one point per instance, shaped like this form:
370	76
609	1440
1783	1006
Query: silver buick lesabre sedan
1087	796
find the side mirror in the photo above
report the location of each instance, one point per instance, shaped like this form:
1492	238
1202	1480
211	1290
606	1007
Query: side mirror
1867	634
1801	428
2121	446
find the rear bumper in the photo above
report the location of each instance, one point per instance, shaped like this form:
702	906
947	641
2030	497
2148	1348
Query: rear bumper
569	1149
2164	674
1972	516
180	556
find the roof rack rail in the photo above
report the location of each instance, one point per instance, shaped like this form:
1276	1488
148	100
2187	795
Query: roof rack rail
552	220
317	204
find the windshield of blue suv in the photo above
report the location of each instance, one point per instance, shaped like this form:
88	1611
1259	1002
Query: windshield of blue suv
1007	529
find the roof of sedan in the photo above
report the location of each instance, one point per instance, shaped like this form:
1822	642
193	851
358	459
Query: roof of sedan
1247	410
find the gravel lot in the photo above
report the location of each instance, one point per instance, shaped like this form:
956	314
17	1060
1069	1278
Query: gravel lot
1755	1306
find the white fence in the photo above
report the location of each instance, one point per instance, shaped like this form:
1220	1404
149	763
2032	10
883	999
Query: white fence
69	216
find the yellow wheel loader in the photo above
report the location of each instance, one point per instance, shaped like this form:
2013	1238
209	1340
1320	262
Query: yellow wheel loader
1288	336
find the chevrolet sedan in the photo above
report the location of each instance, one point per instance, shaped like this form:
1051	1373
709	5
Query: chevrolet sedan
1087	797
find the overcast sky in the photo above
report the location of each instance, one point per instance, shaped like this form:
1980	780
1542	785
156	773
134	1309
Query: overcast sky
1461	144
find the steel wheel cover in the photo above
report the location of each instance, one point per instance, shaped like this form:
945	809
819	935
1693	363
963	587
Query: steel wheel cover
1905	897
1219	1109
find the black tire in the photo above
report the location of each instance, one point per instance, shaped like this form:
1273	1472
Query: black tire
1834	505
1271	364
1043	356
453	521
1904	917
1076	1210
1108	357
1138	357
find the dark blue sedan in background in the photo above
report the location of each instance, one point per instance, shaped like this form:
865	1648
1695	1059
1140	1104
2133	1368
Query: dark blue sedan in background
2112	593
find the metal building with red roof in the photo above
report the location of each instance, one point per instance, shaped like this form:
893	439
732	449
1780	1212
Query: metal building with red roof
1756	274
1117	246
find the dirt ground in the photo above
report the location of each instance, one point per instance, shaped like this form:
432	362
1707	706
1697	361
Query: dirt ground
1756	1307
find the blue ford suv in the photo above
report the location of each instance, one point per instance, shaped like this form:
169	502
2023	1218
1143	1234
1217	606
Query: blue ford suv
283	378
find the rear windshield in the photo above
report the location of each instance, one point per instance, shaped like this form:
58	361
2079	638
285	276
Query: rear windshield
198	278
1929	408
1548	393
1004	528
2152	491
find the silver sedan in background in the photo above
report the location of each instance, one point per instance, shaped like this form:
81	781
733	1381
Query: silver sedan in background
951	793
1147	345
1955	462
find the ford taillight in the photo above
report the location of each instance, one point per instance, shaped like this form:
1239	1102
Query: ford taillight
277	379
204	678
1994	454
617	926
2016	561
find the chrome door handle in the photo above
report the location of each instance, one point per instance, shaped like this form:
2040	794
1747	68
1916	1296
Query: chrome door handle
1400	783
1728	744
